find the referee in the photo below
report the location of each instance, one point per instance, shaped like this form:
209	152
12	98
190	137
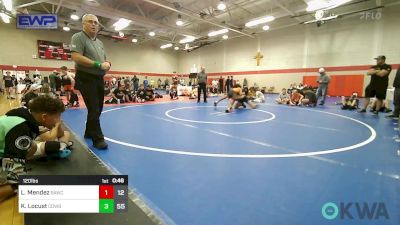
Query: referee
202	84
91	65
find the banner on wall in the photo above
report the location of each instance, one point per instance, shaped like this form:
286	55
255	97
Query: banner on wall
37	21
54	50
17	73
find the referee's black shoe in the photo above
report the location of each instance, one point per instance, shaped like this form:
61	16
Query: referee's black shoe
100	144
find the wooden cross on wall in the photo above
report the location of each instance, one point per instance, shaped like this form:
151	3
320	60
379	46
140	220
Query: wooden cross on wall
258	57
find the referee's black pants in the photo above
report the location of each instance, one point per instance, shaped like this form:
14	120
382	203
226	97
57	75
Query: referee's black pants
202	86
92	89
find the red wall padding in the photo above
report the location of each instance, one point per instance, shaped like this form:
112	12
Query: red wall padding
343	85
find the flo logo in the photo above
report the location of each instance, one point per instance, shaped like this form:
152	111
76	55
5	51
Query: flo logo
355	210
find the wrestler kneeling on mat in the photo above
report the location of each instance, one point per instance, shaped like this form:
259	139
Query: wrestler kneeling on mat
236	99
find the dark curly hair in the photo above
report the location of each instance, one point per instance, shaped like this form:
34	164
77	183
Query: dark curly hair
46	104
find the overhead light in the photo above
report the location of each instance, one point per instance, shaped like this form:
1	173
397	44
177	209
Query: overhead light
8	4
323	19
92	3
5	17
74	16
66	27
261	20
316	5
319	4
221	5
266	27
187	39
166	46
179	22
218	32
225	37
176	48
152	33
134	40
121	24
319	14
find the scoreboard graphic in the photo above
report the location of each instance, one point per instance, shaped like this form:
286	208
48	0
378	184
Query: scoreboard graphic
53	50
73	194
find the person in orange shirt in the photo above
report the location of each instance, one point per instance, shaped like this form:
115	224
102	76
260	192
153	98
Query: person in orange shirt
296	98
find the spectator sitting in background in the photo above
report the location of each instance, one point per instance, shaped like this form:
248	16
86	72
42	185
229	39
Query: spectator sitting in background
130	93
259	97
46	90
310	98
166	83
26	89
213	91
27	79
252	92
149	94
193	94
107	89
36	79
32	93
118	96
182	81
290	89
350	102
296	98
173	92
141	94
74	100
113	82
283	98
159	82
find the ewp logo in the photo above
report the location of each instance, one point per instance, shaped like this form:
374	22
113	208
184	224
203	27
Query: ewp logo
376	210
37	21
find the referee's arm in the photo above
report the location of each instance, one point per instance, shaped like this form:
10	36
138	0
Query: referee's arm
82	60
382	73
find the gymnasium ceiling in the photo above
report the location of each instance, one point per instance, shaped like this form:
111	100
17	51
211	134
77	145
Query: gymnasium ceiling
199	16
